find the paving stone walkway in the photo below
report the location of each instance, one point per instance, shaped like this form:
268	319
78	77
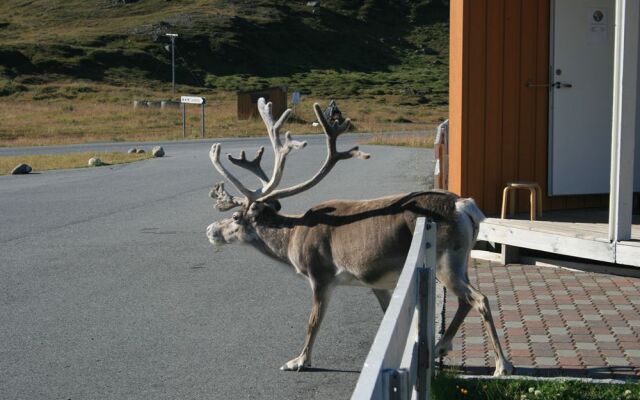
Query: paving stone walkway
552	322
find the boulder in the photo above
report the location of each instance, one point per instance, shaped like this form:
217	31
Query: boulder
95	162
157	151
140	151
132	150
21	169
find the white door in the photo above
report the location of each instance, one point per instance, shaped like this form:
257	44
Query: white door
581	96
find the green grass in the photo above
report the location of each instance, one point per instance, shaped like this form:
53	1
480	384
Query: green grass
450	387
421	139
66	161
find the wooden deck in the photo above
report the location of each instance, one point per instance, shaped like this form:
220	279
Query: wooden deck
582	234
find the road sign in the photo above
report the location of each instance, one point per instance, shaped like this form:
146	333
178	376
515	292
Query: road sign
295	98
192	100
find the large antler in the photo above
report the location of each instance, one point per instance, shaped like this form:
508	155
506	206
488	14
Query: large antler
332	131
224	200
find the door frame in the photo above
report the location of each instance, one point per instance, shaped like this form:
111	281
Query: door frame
552	52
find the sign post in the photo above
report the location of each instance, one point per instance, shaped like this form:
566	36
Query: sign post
192	100
295	99
202	120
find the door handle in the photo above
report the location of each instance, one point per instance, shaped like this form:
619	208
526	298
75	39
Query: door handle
560	85
557	85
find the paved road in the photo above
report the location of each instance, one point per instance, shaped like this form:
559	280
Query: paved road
110	290
124	146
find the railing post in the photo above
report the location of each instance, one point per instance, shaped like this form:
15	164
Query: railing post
426	314
396	384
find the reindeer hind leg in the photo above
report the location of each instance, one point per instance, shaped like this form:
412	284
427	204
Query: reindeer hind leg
444	345
452	272
480	303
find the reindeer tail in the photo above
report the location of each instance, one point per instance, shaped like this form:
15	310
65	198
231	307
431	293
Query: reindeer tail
470	208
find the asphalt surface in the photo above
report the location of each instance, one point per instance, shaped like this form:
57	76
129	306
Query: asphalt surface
109	288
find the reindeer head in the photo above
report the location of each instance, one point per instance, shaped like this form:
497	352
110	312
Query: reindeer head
259	204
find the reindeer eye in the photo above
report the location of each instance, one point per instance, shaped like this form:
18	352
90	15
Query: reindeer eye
236	216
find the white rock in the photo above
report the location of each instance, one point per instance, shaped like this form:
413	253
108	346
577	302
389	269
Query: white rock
157	151
21	169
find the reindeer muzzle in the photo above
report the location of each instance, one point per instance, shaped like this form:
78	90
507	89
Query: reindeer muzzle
214	234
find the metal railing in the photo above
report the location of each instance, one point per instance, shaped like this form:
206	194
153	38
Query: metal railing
400	362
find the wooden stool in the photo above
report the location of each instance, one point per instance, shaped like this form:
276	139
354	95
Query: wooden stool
535	198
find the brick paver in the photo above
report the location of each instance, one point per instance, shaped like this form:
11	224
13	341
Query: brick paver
552	322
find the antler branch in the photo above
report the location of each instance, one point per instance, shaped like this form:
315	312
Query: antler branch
253	165
224	201
332	131
214	155
280	150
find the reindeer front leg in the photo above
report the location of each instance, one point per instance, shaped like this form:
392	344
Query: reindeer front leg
321	295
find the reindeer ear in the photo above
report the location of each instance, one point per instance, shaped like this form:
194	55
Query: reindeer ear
275	204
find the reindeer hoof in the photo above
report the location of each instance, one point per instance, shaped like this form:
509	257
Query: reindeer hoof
506	368
297	364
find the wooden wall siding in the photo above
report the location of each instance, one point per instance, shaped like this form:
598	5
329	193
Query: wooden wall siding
457	92
499	125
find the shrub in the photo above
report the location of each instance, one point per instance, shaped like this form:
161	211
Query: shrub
8	87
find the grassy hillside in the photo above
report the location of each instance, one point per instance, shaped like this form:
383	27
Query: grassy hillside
69	69
348	46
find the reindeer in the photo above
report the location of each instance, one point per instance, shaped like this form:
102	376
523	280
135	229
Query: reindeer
340	242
